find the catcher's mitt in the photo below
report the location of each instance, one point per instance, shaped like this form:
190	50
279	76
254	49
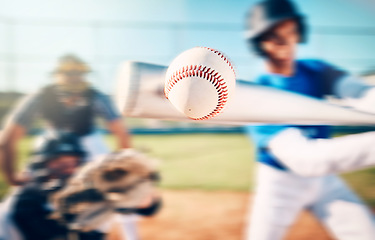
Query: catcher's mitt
120	181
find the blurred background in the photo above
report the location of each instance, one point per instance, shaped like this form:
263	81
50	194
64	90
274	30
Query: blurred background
205	163
35	33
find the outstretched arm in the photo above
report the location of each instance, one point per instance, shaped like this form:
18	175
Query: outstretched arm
356	93
365	103
350	88
317	157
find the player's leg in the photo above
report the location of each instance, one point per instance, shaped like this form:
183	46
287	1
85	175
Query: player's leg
280	196
8	229
129	223
342	212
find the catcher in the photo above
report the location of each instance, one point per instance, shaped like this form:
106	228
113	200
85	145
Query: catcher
69	104
53	206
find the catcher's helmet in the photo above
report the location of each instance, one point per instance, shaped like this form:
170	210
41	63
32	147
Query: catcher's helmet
267	14
63	144
71	62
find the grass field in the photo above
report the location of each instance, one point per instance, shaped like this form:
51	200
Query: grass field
211	162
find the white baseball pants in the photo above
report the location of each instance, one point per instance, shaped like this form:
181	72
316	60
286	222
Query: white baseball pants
280	196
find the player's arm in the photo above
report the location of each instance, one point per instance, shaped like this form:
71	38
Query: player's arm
317	157
350	88
11	135
14	130
105	109
364	100
117	128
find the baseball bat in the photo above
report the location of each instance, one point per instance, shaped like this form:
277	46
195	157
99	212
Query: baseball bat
139	93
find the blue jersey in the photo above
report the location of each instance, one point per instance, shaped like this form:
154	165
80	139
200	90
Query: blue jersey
312	78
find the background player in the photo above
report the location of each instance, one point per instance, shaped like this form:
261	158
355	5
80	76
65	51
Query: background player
295	162
69	104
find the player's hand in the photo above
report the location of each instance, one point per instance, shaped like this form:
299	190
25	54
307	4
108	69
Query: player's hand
18	180
149	200
365	104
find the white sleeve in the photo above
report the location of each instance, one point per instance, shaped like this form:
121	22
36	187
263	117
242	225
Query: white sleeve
365	103
317	157
350	86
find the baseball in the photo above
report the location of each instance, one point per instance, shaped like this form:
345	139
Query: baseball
199	82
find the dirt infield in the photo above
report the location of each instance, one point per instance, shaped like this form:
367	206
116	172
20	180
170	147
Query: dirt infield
199	215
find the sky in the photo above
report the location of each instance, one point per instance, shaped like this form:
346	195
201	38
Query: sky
34	33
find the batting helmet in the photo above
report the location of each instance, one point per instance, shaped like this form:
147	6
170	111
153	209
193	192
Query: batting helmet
267	14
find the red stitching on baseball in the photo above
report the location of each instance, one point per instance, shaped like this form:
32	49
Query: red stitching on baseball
206	73
221	55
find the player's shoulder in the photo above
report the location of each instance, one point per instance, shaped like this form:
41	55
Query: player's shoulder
311	63
46	89
322	67
101	98
94	92
314	64
268	79
35	96
97	94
